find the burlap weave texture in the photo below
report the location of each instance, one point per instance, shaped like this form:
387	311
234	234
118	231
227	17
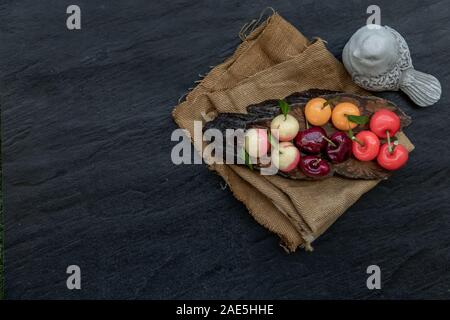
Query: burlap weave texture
274	61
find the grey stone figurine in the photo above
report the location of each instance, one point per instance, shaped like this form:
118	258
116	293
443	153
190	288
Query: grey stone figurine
378	59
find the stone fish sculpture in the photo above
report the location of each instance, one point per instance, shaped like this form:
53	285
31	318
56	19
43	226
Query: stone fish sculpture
378	59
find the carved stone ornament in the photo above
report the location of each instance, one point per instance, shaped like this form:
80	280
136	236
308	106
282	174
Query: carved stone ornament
378	59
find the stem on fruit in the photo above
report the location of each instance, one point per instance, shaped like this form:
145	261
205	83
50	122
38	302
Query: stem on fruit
358	141
353	138
330	142
329	102
389	141
306	120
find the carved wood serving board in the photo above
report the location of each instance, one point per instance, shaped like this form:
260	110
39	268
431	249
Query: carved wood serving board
260	115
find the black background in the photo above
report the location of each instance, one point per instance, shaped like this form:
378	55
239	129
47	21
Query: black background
86	125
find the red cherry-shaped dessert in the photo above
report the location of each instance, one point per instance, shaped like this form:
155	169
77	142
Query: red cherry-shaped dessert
314	167
383	122
312	140
392	160
366	145
340	147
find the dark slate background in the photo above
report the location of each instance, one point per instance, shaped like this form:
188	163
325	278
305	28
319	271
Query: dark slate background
88	178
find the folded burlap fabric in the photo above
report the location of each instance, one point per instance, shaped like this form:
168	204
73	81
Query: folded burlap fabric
274	61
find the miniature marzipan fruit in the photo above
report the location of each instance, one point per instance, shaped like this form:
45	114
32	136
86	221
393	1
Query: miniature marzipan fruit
339	148
260	115
314	167
256	142
384	121
392	160
285	156
340	113
284	127
312	140
317	111
366	146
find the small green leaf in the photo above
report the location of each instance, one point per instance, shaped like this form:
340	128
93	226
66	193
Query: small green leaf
358	119
284	107
273	142
350	134
330	102
353	138
247	159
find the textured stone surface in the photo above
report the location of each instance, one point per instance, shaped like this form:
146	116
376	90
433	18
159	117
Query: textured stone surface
88	178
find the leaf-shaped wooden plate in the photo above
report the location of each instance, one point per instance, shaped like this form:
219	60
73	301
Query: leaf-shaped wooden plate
261	114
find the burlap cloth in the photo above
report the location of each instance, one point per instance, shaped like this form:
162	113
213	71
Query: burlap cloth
272	62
